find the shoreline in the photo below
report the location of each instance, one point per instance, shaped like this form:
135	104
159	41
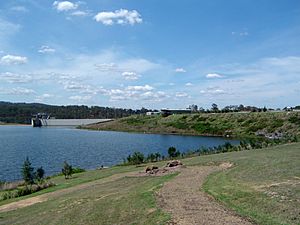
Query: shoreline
14	124
166	133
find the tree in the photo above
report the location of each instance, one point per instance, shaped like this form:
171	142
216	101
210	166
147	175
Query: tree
151	157
39	174
27	172
137	158
214	107
67	170
173	152
157	156
265	109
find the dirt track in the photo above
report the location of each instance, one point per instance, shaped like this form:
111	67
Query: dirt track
183	198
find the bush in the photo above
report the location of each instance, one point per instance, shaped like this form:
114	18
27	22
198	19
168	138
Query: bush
136	158
27	172
173	153
25	190
67	170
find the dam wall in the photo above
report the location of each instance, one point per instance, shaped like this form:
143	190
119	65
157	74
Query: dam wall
68	122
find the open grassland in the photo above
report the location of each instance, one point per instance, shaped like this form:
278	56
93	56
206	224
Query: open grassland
220	124
263	185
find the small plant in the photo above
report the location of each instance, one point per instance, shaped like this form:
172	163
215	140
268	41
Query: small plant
136	158
67	170
27	172
173	153
39	174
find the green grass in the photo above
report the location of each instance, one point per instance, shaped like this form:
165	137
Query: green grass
220	124
129	200
264	185
79	178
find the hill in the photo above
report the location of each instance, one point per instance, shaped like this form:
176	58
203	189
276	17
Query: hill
212	124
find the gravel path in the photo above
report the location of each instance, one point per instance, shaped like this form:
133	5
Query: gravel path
188	205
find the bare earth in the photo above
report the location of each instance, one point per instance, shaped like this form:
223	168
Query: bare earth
183	198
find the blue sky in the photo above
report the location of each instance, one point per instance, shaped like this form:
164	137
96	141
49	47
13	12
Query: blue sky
150	54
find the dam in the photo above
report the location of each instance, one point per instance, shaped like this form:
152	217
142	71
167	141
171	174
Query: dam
40	120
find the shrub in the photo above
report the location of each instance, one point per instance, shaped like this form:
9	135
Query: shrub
173	153
27	172
136	158
39	174
67	170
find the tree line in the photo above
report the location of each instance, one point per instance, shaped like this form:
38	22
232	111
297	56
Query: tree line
22	112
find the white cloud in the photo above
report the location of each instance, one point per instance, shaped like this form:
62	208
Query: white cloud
107	67
80	13
138	93
7	29
46	49
188	84
130	75
79	98
213	75
43	97
213	91
180	70
19	9
64	6
122	16
15	78
140	88
181	95
82	88
241	33
17	91
13	60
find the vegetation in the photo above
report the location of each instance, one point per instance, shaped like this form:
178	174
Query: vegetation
22	112
241	125
27	172
67	170
173	153
262	185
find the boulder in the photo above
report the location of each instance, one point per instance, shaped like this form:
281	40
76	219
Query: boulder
151	169
174	163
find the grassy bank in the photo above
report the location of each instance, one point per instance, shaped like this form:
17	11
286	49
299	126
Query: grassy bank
263	185
232	124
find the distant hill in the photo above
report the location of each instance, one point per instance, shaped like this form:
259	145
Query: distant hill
212	124
22	112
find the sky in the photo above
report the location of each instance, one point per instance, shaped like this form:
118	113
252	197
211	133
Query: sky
154	54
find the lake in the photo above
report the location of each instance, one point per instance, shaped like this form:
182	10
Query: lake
49	147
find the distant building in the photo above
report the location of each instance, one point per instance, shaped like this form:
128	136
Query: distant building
152	113
167	112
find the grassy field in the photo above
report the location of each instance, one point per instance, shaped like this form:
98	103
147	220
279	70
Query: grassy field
220	124
263	185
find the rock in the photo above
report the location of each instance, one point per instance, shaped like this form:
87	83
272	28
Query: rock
174	163
151	169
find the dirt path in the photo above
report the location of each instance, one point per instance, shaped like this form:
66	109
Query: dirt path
188	205
45	197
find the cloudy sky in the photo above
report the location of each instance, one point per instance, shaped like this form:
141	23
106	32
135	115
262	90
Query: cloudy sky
150	54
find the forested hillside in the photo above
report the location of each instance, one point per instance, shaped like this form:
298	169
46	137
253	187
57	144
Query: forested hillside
22	112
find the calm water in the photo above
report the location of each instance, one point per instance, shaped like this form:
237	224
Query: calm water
49	147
